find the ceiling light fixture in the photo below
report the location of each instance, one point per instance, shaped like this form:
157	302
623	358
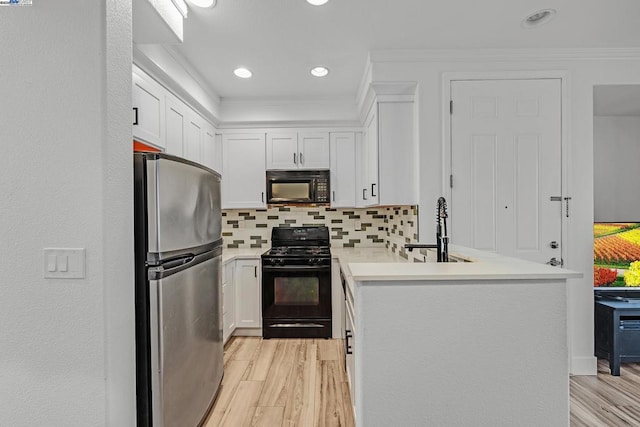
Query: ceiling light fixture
203	3
319	71
317	2
538	18
242	72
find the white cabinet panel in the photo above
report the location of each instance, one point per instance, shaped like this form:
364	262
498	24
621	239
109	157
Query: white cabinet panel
243	181
210	150
313	150
248	294
228	300
370	190
176	123
148	110
282	150
343	171
193	145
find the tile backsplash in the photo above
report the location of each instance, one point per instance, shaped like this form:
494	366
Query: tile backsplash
389	227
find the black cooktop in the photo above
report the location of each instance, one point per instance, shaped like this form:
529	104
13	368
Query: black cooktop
311	241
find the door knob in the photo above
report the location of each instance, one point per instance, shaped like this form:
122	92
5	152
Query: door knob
554	245
554	262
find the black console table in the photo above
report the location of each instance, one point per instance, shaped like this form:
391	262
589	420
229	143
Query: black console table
617	331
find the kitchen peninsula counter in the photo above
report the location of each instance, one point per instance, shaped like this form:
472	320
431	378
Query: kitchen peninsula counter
480	343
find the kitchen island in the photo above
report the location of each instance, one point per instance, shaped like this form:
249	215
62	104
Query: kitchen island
478	343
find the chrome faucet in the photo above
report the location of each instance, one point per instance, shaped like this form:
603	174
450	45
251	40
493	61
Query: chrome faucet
442	239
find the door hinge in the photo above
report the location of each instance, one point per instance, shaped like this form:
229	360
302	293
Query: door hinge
451	107
451	181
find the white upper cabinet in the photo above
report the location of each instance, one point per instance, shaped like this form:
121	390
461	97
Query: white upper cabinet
194	137
313	150
387	158
243	181
282	150
298	150
343	171
211	148
370	152
148	109
176	123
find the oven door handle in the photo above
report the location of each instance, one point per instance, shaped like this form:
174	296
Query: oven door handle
300	268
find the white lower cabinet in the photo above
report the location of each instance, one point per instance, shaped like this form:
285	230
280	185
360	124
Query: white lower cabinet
350	346
248	293
228	300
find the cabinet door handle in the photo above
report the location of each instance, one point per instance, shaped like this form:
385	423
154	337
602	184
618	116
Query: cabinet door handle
372	186
364	194
295	162
135	120
347	346
301	159
255	271
334	195
262	196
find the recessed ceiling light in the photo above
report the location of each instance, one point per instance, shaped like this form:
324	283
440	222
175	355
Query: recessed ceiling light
317	2
319	71
538	18
203	3
242	72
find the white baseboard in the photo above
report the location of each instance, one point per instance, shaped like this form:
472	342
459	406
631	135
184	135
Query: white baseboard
248	332
584	366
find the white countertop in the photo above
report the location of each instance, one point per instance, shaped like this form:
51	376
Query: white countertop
373	264
380	264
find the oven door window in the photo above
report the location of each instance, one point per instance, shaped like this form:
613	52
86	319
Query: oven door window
297	290
290	293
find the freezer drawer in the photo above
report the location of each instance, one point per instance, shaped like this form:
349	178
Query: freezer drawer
186	343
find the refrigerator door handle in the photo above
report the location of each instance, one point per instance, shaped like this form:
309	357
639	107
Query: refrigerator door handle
178	261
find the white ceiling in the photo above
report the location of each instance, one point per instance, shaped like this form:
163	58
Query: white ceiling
280	40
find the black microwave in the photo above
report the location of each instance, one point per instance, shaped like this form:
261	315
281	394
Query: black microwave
298	187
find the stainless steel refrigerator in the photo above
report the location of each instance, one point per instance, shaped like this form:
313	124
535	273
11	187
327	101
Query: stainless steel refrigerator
178	290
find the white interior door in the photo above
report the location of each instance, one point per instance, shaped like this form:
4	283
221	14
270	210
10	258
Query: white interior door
506	167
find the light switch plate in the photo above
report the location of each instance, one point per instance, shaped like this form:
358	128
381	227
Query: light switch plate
64	263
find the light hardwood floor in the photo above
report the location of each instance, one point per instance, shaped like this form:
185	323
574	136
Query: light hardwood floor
302	383
283	383
606	400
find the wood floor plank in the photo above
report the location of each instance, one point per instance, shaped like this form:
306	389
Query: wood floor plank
275	385
605	400
268	416
233	373
243	405
330	410
300	403
247	349
259	367
328	349
230	348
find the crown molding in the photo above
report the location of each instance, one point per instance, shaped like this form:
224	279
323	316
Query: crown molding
158	73
537	54
283	101
333	125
